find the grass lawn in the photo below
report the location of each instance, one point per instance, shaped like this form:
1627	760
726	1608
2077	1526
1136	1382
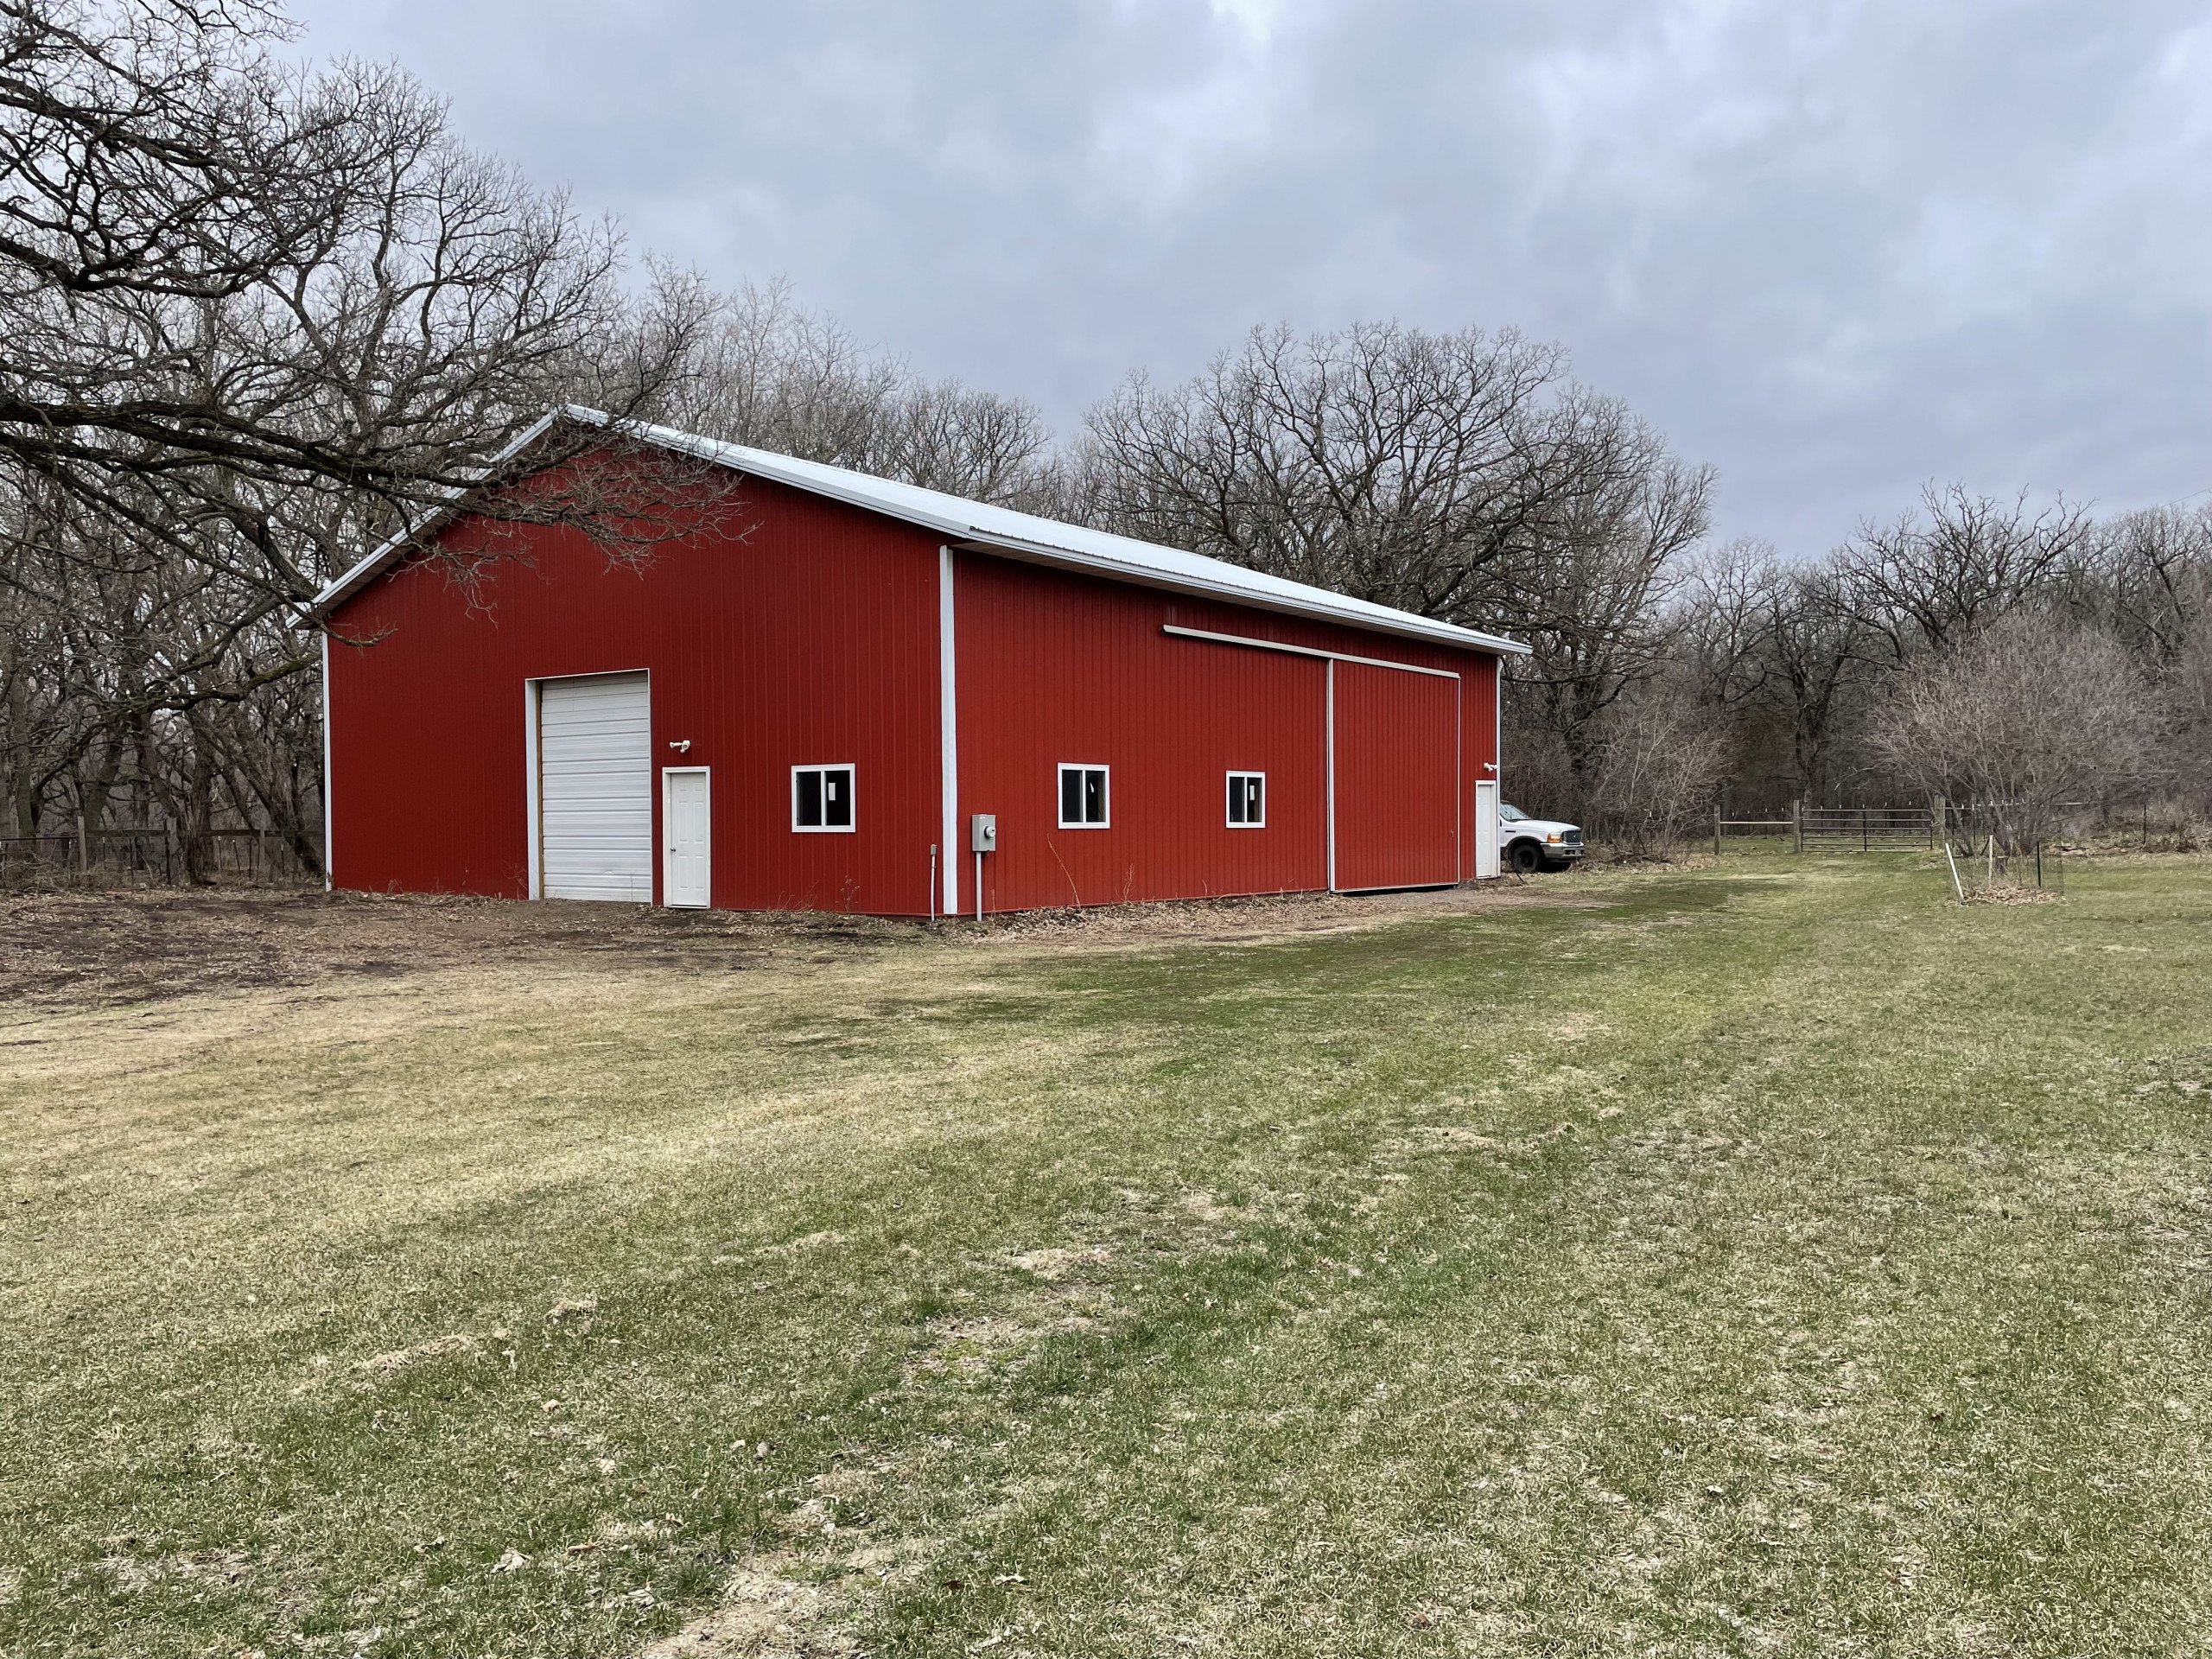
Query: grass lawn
1772	1258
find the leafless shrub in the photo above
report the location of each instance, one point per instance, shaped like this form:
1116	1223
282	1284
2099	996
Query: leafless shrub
1661	765
2028	717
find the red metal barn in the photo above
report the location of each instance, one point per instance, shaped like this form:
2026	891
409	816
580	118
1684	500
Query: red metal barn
814	714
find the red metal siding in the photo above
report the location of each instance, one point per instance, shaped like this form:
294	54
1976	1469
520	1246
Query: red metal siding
1398	816
1054	667
811	639
1058	667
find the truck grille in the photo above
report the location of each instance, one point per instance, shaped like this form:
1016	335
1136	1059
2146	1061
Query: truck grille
1572	838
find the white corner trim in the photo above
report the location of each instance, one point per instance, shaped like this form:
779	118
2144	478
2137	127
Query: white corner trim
532	781
1329	763
948	718
327	881
1303	651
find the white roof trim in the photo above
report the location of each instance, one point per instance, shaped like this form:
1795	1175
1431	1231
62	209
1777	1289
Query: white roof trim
982	527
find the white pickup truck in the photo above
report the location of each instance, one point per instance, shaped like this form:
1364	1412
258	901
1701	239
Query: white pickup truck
1526	845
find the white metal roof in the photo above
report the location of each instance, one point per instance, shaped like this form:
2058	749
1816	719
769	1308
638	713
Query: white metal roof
1000	529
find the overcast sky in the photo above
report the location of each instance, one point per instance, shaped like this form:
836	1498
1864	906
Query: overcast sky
1835	249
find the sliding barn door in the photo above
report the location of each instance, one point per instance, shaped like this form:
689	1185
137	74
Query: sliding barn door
1396	754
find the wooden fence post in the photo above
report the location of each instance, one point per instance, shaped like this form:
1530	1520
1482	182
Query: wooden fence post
1797	822
1716	831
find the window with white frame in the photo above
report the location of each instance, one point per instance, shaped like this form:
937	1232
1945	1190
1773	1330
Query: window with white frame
1082	798
1248	800
822	800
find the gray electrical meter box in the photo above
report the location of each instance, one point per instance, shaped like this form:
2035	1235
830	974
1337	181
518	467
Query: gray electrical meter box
983	833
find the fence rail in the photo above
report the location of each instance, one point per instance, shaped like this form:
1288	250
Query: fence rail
1838	828
1971	829
1866	830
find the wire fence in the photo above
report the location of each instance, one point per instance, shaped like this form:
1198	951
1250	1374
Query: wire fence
1969	839
158	856
1991	872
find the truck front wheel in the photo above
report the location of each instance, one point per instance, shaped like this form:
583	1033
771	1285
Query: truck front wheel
1524	858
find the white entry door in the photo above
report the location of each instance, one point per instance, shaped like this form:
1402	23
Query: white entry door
1485	831
686	865
595	788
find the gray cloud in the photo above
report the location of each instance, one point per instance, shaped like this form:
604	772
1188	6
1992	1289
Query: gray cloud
1835	248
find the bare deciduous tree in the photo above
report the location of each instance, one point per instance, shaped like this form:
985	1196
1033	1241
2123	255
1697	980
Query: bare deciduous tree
2190	700
247	313
1778	645
1461	476
771	375
253	320
1932	578
2145	578
1387	463
1588	588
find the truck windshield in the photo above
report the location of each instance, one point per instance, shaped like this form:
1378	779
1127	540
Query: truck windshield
1511	814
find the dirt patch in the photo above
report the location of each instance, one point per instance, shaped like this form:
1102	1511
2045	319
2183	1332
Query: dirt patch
93	950
2012	896
402	1359
1271	916
802	1600
101	949
1460	1137
1052	1265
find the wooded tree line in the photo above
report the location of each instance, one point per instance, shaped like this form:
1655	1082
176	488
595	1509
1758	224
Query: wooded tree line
255	319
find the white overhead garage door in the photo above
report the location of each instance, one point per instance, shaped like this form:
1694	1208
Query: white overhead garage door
595	792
